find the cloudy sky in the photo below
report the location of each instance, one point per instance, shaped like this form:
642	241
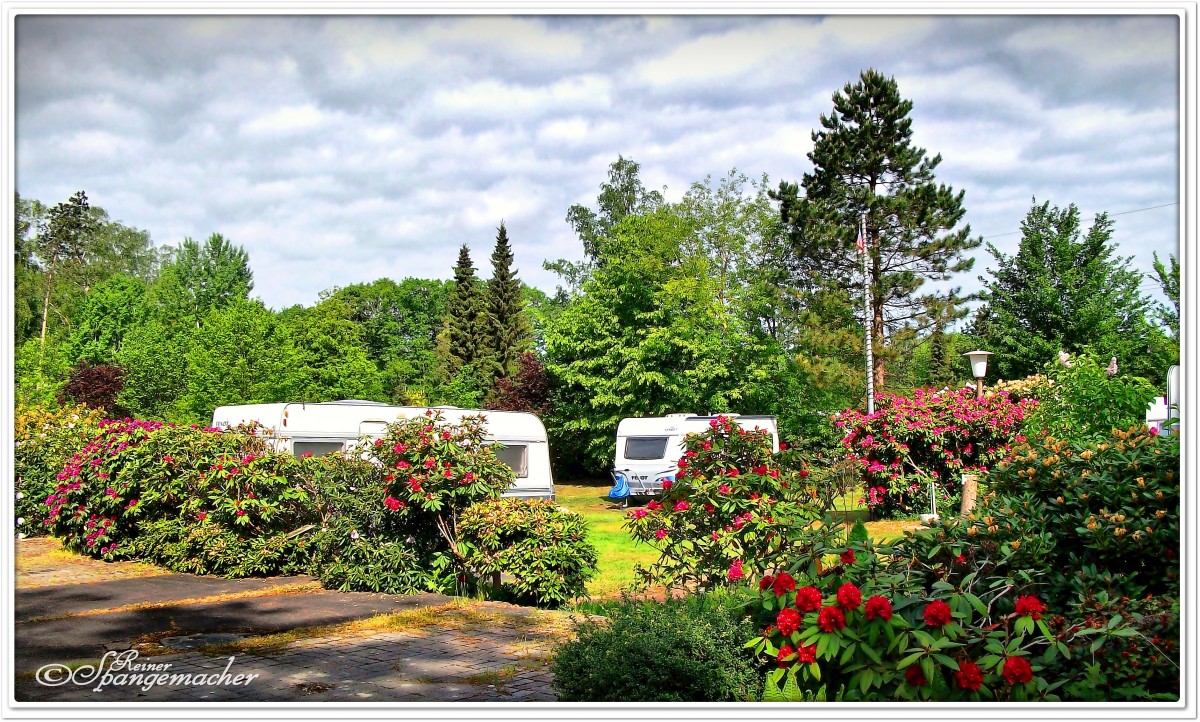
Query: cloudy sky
337	150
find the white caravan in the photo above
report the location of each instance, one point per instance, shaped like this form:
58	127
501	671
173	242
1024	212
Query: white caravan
327	427
649	449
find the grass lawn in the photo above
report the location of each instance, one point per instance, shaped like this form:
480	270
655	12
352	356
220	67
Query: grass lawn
619	553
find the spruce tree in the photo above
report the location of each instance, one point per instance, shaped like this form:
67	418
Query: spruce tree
1065	290
864	162
511	334
466	325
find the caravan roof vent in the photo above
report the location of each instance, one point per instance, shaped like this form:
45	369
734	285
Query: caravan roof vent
679	416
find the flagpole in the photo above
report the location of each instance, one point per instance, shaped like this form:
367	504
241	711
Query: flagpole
862	237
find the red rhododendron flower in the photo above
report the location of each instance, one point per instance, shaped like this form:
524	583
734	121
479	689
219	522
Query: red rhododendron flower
878	606
783	446
667	484
392	503
733	472
847	556
806	654
969	676
784	652
849	597
808	599
638	513
765	583
654	505
914	676
709	507
723	489
683	463
783	584
831	619
1030	606
1017	670
735	571
788	621
430	463
937	614
681	505
761	470
661	534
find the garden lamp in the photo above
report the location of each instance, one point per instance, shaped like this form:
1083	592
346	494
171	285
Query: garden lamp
979	361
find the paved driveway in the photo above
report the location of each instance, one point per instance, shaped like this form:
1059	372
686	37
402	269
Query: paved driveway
288	638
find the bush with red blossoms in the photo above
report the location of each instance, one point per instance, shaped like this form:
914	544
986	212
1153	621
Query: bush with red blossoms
934	436
725	516
882	627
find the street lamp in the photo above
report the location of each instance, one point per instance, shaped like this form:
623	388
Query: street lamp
979	361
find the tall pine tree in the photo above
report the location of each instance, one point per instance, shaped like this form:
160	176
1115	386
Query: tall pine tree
466	328
511	334
864	163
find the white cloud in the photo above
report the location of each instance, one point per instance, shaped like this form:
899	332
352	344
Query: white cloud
289	119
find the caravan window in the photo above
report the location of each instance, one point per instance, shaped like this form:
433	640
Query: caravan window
645	448
316	448
516	456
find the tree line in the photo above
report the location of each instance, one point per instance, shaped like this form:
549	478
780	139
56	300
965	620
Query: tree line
739	297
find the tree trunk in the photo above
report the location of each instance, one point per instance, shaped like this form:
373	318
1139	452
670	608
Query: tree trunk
46	307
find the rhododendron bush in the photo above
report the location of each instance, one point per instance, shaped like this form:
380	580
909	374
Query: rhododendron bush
942	616
135	473
44	439
726	514
935	436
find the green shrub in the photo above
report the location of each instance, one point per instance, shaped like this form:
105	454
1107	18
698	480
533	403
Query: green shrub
541	547
1079	401
680	650
43	440
725	515
211	548
1112	505
347	559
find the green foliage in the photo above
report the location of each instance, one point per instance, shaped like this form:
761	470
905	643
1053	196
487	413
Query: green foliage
241	354
154	358
865	164
1065	290
1114	505
399	324
464	339
664	326
679	650
1081	401
542	547
39	371
106	315
204	548
333	360
43	440
932	438
199	278
621	196
1168	281
726	514
510	334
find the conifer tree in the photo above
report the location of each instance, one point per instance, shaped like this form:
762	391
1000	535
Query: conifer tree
510	332
864	162
465	334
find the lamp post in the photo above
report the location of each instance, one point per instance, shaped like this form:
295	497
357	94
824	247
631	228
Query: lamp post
979	362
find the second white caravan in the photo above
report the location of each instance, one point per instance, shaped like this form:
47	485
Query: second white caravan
327	427
649	448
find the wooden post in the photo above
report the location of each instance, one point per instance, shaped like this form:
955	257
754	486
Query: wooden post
970	490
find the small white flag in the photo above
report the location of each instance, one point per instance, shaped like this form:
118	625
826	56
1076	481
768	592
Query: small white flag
859	244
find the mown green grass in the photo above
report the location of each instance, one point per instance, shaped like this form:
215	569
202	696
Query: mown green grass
618	552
